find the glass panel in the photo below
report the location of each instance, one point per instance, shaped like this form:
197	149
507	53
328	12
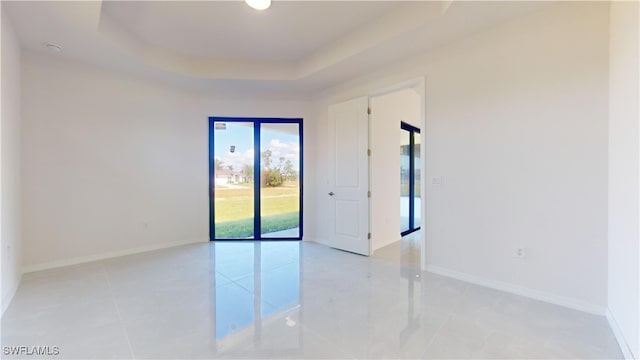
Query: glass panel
404	179
280	183
417	219
234	173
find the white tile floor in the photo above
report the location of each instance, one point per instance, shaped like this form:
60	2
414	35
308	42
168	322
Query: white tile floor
286	300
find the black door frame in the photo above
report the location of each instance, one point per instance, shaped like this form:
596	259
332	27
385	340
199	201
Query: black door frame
257	226
412	173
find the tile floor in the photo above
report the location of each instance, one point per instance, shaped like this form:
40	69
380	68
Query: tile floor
286	300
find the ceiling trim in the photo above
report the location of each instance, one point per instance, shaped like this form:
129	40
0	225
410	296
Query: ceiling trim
404	18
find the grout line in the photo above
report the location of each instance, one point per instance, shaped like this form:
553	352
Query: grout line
435	334
450	315
113	296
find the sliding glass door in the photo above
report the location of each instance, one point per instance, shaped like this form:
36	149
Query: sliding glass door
232	183
410	173
255	168
280	180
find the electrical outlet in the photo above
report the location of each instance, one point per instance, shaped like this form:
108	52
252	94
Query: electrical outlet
520	253
436	180
146	226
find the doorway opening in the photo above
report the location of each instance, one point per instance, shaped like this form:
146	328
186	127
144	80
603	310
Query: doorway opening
255	178
390	200
410	175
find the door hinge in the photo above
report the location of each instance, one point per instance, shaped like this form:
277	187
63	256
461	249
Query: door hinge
368	193
368	152
369	236
369	110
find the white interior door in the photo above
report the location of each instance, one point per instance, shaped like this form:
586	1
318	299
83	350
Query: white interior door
349	176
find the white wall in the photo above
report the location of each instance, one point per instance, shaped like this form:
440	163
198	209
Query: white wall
516	124
388	111
11	251
624	160
104	153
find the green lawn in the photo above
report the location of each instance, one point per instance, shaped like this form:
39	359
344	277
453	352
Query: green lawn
234	210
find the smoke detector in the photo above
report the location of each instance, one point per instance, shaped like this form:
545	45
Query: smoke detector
53	47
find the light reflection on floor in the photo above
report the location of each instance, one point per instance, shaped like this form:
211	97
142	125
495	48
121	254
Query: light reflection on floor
287	300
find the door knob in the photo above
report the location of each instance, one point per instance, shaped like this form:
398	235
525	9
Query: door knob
331	193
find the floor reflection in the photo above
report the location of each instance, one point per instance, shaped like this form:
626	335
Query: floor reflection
257	306
409	270
287	300
256	285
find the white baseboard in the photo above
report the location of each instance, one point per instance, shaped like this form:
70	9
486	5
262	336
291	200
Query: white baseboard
316	240
384	244
7	299
617	332
520	290
308	238
109	255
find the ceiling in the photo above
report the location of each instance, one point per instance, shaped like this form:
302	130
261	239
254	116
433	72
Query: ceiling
235	31
293	49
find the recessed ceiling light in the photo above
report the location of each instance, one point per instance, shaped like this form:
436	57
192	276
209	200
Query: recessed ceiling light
53	47
259	4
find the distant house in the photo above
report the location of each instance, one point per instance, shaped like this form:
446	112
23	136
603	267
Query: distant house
226	177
